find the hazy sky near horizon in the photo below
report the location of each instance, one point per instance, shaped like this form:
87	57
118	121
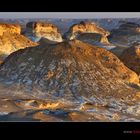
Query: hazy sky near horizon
74	15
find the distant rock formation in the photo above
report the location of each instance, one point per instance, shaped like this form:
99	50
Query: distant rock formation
69	70
87	27
126	34
130	26
36	30
131	57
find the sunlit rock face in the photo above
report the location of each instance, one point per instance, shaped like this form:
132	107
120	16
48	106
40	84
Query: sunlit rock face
36	30
87	27
69	70
10	28
131	57
11	40
126	34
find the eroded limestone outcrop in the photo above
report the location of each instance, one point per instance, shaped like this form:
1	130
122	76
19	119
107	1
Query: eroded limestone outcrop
87	27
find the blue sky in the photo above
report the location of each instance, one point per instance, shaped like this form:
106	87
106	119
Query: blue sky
75	15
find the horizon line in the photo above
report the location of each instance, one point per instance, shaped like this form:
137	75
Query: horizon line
68	15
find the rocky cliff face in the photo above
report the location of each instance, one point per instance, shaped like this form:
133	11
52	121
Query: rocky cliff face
11	28
36	30
131	57
69	70
87	27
